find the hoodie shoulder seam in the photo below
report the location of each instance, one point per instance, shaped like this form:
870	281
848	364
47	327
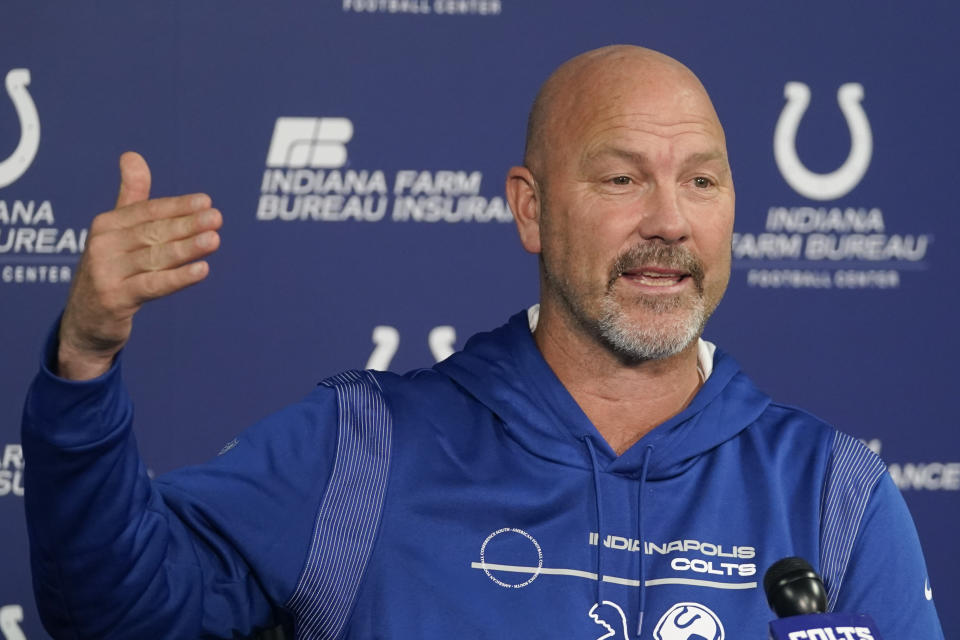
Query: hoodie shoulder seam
348	519
852	475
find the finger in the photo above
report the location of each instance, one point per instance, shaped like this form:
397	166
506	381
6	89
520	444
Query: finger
112	240
141	212
134	179
156	284
158	232
168	255
159	209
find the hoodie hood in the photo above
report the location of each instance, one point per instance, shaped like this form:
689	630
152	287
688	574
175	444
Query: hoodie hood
504	370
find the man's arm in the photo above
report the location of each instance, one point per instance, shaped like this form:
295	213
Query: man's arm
205	551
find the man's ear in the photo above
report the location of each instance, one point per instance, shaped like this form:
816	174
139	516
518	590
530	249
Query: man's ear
523	196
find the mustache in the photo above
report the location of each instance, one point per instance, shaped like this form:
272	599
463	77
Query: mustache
657	254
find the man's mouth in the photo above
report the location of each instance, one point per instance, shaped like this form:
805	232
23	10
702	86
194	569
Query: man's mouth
657	268
656	276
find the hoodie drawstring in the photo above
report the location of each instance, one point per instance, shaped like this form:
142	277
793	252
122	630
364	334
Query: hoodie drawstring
643	584
648	450
596	488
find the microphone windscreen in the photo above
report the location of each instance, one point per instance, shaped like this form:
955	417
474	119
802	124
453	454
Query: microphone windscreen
793	588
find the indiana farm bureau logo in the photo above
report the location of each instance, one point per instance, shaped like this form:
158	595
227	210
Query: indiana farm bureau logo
308	178
832	242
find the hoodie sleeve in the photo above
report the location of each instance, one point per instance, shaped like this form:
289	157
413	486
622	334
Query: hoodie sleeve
882	572
206	551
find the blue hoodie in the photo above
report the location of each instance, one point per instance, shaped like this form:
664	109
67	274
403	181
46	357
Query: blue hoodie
471	500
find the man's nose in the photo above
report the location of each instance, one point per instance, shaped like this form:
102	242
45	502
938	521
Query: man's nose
661	216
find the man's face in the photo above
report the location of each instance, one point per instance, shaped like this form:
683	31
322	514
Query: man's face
637	210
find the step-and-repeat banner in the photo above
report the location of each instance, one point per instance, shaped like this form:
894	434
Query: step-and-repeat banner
357	149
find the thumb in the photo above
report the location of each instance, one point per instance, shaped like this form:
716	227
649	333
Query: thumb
134	179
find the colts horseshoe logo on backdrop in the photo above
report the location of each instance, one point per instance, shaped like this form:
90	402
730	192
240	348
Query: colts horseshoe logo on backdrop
822	186
11	617
386	340
15	166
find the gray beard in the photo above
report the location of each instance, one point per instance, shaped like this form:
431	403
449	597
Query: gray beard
639	342
632	341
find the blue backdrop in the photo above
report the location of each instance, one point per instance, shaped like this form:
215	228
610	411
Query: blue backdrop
357	149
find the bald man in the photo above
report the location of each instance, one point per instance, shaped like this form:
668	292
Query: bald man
592	469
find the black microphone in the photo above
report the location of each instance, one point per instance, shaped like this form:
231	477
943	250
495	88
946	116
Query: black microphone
796	594
793	588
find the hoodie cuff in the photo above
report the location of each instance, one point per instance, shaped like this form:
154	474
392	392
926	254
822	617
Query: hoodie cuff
72	413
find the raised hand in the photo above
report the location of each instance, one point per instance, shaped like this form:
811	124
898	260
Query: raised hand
142	250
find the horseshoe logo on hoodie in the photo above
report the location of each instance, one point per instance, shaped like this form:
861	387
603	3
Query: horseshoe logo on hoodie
822	186
15	166
689	621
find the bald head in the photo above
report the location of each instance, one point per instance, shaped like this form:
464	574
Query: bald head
584	86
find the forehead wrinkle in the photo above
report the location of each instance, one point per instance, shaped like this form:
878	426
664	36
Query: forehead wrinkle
616	140
658	123
660	118
639	157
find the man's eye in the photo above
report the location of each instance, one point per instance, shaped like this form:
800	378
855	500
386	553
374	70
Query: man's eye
621	180
702	182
